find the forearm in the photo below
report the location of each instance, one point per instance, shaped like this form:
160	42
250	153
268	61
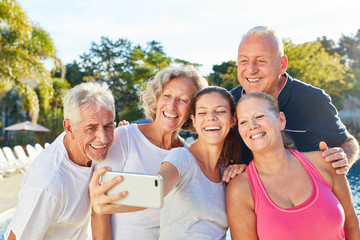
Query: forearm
351	149
100	226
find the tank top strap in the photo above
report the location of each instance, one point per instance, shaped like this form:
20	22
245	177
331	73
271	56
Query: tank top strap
255	185
309	166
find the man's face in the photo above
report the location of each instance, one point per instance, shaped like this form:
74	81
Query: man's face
93	135
260	66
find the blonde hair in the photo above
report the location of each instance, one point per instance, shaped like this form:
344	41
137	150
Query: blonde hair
274	107
149	96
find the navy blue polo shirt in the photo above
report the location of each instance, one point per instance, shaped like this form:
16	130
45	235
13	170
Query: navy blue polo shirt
310	116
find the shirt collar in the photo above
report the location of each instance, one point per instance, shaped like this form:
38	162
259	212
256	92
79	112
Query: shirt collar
286	91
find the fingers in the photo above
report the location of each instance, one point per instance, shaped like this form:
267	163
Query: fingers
106	207
340	163
323	146
343	170
224	162
96	176
338	159
334	154
233	170
123	123
99	200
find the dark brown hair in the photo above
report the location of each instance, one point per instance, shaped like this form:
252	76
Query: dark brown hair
231	148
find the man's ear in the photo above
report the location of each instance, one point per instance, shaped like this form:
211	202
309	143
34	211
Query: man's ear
284	62
68	128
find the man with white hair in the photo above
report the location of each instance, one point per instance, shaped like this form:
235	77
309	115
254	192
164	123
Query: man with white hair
54	201
311	118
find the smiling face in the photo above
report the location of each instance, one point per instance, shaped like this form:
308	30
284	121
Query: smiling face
91	139
213	118
174	103
258	125
260	65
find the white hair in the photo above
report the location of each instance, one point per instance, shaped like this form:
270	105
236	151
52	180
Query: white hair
264	30
86	94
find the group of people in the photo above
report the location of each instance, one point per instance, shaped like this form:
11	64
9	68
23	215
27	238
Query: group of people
289	190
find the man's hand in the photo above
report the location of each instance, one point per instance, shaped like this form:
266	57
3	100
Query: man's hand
336	156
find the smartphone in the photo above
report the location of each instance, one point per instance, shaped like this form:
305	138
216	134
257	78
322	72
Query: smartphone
144	190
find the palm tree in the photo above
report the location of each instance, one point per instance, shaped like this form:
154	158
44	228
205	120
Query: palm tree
23	48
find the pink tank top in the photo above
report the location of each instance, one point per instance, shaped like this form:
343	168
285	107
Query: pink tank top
319	217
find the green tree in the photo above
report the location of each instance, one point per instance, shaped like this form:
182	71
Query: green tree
52	117
23	48
125	68
224	75
310	63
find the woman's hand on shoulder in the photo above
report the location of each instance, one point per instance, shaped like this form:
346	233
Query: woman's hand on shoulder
232	171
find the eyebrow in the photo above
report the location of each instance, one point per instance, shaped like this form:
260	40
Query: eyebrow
218	106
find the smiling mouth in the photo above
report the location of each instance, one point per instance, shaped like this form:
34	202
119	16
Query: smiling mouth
99	146
256	136
253	79
212	128
168	115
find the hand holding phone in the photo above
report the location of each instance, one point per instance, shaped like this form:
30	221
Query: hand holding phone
144	190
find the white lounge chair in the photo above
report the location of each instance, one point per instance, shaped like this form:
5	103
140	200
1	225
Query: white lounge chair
4	166
31	152
12	160
38	147
21	155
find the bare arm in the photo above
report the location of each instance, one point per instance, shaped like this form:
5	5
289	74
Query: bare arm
341	189
12	236
100	226
240	209
351	149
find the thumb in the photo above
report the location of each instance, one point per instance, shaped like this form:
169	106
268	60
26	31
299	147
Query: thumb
323	146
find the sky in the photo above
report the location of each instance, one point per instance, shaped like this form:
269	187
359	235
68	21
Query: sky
200	31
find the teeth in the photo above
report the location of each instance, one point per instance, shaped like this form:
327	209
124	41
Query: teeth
212	128
257	135
98	147
169	115
253	79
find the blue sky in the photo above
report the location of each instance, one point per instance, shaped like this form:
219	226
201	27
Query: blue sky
201	31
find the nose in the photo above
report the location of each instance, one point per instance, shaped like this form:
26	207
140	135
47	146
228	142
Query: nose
212	116
101	135
253	123
252	67
173	103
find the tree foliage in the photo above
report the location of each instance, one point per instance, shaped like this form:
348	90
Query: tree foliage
125	67
23	48
52	117
310	63
224	75
349	48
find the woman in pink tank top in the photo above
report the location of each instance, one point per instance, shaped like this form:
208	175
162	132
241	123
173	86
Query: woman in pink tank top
285	194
